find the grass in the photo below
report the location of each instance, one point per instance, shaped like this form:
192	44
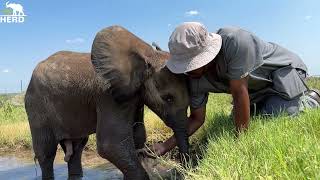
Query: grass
272	148
14	127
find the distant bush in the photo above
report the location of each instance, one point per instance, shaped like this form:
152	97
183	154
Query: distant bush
11	112
314	82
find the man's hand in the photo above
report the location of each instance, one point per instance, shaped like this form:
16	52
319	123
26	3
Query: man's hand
159	149
239	91
155	150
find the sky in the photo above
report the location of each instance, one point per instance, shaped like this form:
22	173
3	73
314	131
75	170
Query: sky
51	26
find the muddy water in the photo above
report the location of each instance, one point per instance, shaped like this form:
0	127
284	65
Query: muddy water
21	166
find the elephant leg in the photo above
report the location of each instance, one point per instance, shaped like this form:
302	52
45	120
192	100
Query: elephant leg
115	139
45	147
74	164
139	131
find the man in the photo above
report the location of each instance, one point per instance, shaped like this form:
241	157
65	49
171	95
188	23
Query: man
262	77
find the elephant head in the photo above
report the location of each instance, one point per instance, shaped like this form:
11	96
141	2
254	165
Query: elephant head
128	66
166	94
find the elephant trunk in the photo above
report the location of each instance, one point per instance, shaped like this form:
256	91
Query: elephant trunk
181	135
178	124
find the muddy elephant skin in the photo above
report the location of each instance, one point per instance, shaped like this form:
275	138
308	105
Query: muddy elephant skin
72	95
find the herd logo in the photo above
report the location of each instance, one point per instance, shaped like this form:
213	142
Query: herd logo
13	13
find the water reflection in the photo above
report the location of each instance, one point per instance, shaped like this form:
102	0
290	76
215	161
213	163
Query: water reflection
11	169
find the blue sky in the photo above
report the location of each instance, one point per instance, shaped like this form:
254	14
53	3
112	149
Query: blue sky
52	26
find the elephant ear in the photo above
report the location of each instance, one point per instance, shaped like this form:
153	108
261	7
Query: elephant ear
123	62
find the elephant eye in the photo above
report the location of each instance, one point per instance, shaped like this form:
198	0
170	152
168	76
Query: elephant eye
168	98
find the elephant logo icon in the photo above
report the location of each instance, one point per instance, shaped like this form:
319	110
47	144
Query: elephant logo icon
13	13
17	9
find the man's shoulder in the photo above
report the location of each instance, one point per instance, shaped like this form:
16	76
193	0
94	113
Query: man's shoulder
233	32
229	31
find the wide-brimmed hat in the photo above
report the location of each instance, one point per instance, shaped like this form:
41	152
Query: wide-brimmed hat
191	47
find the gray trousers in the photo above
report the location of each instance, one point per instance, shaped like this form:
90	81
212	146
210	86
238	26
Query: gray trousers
275	104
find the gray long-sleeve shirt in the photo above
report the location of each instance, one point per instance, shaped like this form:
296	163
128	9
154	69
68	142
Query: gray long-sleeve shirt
270	68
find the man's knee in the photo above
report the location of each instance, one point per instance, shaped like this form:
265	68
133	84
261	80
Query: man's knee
276	105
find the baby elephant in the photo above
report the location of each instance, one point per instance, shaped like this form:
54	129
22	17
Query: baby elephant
72	95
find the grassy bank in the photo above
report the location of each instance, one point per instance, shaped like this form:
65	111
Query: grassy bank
272	148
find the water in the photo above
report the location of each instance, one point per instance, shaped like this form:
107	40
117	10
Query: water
22	167
13	168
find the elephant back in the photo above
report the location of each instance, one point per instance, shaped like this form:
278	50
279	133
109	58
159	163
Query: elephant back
66	73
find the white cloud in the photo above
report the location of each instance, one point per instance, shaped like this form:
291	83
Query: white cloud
307	18
5	70
192	13
75	41
169	25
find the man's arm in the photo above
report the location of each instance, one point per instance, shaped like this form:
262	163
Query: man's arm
195	121
239	91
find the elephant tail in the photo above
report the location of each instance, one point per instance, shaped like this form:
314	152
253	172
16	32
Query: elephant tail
69	150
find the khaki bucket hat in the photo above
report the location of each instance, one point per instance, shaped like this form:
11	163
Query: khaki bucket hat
191	47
